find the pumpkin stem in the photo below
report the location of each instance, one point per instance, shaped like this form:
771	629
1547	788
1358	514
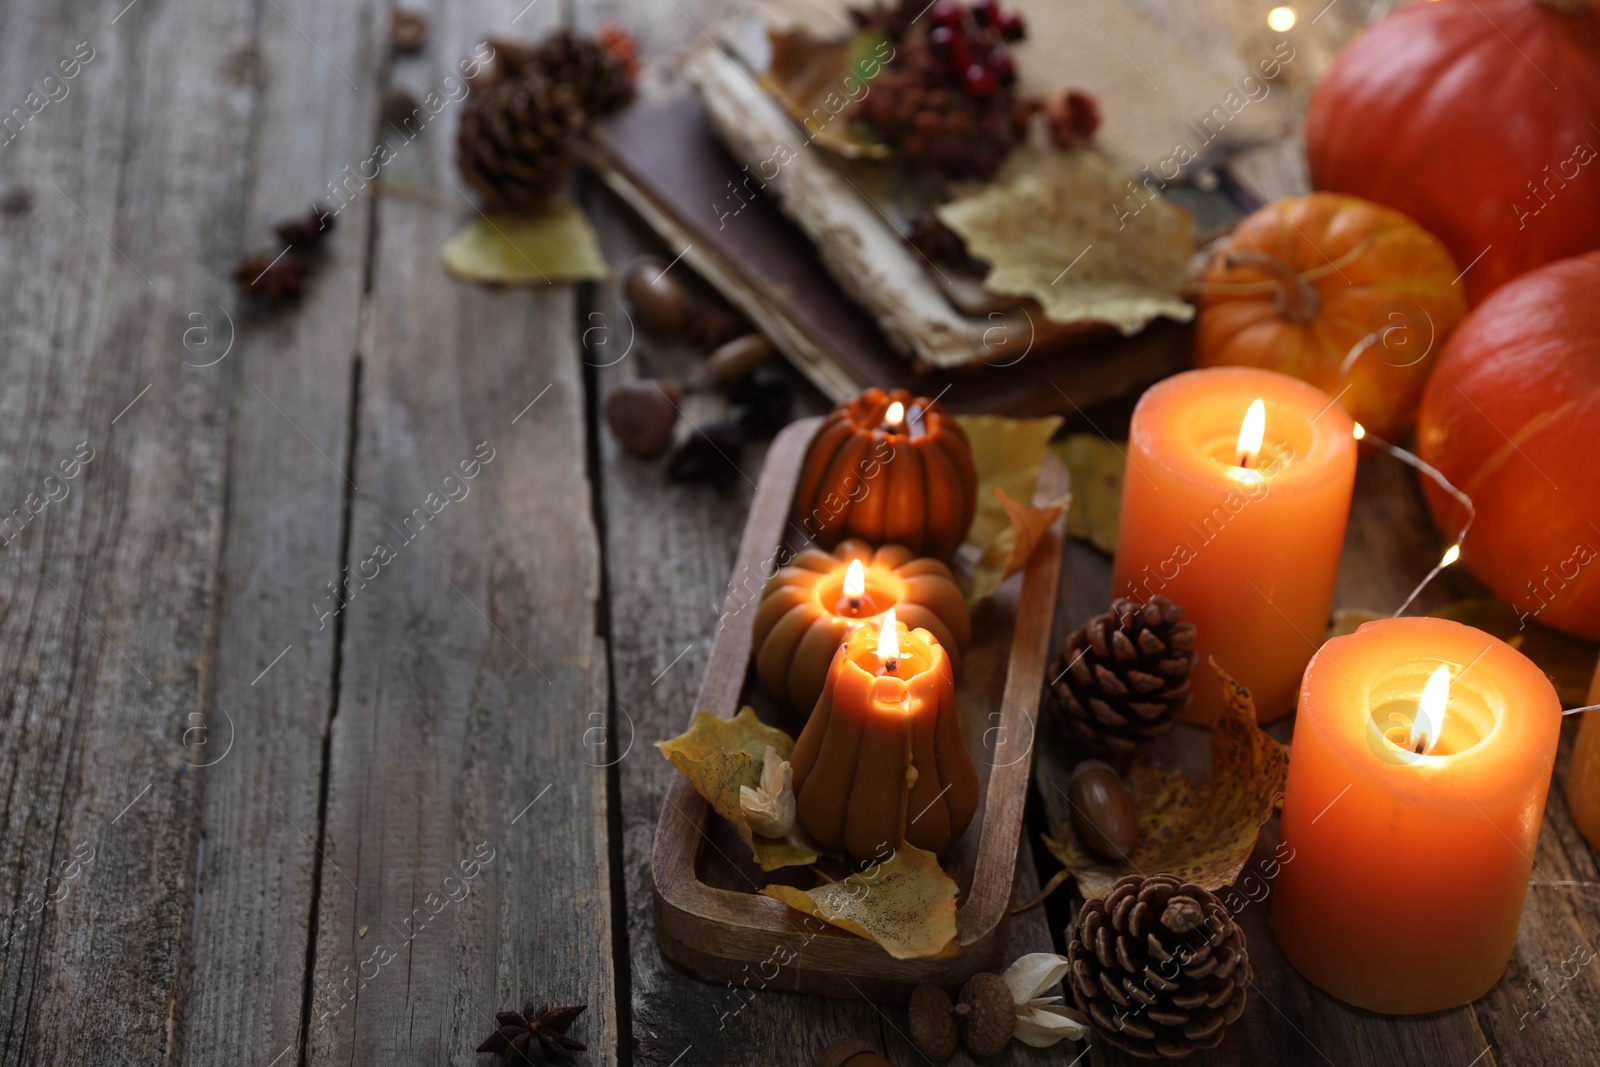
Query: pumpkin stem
1567	7
1295	299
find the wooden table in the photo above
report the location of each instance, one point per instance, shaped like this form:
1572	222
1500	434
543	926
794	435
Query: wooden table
250	816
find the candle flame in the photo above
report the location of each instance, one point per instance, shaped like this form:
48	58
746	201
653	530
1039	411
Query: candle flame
1425	728
1251	432
896	414
1358	431
1451	554
855	580
888	643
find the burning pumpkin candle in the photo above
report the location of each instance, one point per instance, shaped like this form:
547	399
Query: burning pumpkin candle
881	760
1421	758
888	467
813	604
1234	505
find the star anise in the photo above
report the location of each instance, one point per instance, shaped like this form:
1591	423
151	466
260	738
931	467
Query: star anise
278	281
308	230
537	1035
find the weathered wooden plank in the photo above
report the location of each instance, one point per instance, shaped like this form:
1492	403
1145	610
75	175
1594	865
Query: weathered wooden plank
291	375
465	837
117	164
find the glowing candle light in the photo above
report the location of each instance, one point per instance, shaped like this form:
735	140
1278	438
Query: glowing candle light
1251	432
888	644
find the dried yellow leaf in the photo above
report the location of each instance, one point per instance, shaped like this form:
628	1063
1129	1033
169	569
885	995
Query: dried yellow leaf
907	904
722	756
1096	467
549	247
1010	551
1081	238
1203	834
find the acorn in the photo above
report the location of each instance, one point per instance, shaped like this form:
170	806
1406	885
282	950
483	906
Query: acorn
1102	810
991	1014
983	1018
642	414
656	296
738	357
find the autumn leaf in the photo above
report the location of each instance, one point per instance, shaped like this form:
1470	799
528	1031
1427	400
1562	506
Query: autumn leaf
1202	833
718	756
1096	467
817	81
1010	551
550	247
1083	240
1007	454
907	904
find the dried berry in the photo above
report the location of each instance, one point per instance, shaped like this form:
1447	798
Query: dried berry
990	1014
710	454
408	31
620	43
642	414
1102	810
1071	115
278	280
738	357
656	296
933	1022
306	231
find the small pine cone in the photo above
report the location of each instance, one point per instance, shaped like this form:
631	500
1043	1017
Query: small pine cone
600	79
516	141
1159	966
1119	679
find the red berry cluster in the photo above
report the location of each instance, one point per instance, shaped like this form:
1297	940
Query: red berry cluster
971	43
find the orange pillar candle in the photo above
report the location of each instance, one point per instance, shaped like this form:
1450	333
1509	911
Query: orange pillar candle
1421	758
1583	776
1238	519
809	607
881	760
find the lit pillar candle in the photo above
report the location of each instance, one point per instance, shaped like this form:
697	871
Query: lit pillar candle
882	760
1583	776
1421	758
809	607
1234	506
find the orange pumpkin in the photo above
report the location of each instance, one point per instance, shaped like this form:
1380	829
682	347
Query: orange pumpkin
853	789
1510	419
907	480
805	616
1352	297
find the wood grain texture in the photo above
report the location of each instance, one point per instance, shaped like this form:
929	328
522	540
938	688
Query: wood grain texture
290	375
106	587
465	850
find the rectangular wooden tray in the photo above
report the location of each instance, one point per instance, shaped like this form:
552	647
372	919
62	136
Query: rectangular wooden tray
710	918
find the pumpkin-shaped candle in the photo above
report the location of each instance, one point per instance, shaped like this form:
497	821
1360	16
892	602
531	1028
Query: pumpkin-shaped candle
813	604
888	467
881	760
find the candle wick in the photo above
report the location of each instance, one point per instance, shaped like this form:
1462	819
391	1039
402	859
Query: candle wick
1244	460
855	603
889	666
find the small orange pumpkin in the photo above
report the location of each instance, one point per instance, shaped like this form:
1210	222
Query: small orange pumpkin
805	615
1334	290
854	790
889	467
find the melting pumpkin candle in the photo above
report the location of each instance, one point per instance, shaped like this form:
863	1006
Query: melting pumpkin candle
881	760
1421	758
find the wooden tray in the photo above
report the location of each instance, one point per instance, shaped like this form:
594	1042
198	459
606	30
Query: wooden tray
709	916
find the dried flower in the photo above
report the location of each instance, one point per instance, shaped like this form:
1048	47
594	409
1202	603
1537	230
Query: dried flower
306	231
535	1035
276	280
769	810
1041	1021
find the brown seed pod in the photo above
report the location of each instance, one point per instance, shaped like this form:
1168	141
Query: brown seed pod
738	356
642	414
1102	811
933	1022
656	296
991	1014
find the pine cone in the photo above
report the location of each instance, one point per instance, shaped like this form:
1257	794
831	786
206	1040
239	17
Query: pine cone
516	140
600	79
1159	966
1120	677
